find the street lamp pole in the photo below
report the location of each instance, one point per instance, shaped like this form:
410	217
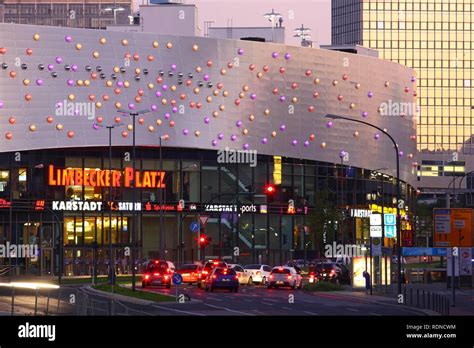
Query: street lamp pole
133	114
399	249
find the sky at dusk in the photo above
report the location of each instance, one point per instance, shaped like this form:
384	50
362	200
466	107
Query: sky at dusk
314	14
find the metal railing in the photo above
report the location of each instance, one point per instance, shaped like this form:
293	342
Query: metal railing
425	299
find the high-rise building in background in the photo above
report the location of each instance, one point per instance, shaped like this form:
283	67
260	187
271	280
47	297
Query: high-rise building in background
91	14
433	37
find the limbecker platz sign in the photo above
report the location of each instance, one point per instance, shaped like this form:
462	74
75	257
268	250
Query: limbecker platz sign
105	177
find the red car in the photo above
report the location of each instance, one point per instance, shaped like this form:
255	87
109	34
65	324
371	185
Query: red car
190	272
158	272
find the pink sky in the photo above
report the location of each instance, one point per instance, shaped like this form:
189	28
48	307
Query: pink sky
314	14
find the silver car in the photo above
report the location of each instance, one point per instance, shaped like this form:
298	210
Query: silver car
284	276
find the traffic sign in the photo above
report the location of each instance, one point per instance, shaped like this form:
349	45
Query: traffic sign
389	219
375	220
177	279
376	247
375	231
194	226
203	220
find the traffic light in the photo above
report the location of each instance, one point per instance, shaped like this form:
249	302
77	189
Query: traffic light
270	192
204	240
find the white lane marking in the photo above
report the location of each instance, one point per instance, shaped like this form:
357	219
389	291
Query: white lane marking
227	309
269	299
267	304
214	299
351	309
177	310
379	315
286	308
246	300
311	313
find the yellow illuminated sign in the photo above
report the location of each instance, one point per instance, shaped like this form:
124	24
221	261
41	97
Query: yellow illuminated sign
277	170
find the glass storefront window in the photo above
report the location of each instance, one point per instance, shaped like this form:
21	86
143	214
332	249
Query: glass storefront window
89	230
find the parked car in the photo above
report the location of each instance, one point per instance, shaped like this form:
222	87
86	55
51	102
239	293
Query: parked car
207	269
259	272
190	272
245	276
284	276
332	271
158	272
222	278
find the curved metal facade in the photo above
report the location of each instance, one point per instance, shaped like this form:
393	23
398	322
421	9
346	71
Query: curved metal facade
39	111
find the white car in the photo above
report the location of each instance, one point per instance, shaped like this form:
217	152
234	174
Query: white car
284	276
245	276
259	272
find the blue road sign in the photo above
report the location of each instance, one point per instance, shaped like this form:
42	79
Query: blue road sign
390	231
389	219
194	226
177	279
414	251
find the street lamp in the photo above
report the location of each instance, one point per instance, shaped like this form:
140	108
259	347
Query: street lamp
162	226
133	114
115	9
303	34
111	259
399	249
273	17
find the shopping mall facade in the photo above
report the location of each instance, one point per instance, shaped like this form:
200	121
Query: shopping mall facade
233	117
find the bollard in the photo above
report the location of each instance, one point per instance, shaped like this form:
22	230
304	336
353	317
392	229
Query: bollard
36	301
417	298
13	300
423	299
411	296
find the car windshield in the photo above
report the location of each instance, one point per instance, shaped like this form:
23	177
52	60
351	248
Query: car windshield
281	271
227	271
188	267
155	267
252	266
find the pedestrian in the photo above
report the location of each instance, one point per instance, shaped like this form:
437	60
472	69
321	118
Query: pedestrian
368	284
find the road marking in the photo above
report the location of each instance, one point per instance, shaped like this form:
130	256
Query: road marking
311	313
267	304
227	309
214	299
177	310
286	308
379	315
269	299
247	300
351	309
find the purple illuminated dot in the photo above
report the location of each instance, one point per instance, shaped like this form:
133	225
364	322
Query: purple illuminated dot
173	66
175	109
246	146
164	87
207	120
342	153
329	124
238	124
206	77
131	106
59	105
240	51
364	114
253	96
74	67
185	131
167	116
59	60
120	83
68	38
275	55
233	137
154	107
214	143
70	82
282	127
95	126
76	112
401	153
376	136
294	142
282	98
39	82
287	56
158	93
220	136
264	140
2	104
306	143
413	79
50	67
370	94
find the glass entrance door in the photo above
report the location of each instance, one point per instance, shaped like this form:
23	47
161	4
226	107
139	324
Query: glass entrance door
47	261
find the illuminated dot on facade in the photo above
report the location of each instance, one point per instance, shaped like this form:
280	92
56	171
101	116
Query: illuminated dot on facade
124	42
36	37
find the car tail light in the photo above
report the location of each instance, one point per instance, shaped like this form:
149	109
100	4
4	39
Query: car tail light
271	276
215	263
236	277
312	276
214	276
289	277
156	274
166	277
258	272
333	271
205	272
147	276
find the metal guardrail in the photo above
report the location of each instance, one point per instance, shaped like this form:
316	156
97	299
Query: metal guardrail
424	299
